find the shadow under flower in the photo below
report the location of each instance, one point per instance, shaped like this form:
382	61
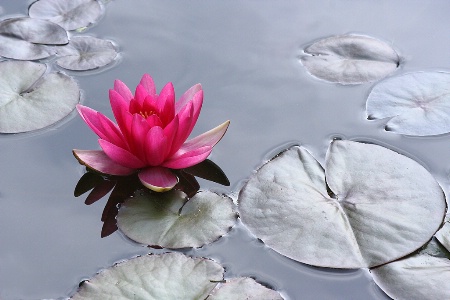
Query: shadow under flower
124	187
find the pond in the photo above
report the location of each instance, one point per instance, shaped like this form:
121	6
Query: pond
246	56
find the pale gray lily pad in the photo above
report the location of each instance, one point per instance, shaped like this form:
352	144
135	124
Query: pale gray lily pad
86	53
425	275
383	205
167	220
243	288
28	39
350	59
31	99
417	103
165	276
71	15
443	235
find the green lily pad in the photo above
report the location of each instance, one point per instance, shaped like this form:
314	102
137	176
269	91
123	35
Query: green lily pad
71	15
165	276
368	207
168	220
350	59
416	103
243	288
31	99
86	53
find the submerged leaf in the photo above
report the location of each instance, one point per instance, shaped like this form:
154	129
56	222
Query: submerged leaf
30	100
350	59
167	220
243	288
385	205
86	53
165	276
27	38
416	103
70	15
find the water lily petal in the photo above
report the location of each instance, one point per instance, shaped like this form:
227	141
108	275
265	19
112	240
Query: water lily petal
197	102
139	129
166	103
120	155
158	179
90	116
187	96
122	89
113	133
148	83
209	138
184	123
186	159
119	107
100	162
155	146
139	96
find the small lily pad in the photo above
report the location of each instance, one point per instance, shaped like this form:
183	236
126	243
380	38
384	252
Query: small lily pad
417	103
243	288
86	53
425	275
165	276
71	15
30	100
169	220
28	39
378	205
350	59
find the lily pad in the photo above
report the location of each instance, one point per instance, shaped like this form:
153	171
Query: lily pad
443	235
167	220
350	59
30	100
417	103
165	276
86	53
243	288
71	15
28	39
424	275
378	205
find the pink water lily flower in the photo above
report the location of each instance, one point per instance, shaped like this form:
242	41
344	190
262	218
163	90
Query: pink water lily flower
150	134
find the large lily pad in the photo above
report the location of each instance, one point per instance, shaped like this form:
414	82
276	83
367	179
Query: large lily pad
416	103
86	53
27	38
30	100
71	15
383	205
167	220
425	275
166	276
350	59
243	288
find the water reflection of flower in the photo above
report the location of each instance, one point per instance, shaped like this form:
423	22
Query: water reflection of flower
150	135
124	187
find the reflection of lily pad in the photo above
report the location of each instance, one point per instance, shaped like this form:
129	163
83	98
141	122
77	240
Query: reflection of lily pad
85	53
30	100
71	14
417	103
27	38
166	276
421	276
350	59
243	288
384	206
167	220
